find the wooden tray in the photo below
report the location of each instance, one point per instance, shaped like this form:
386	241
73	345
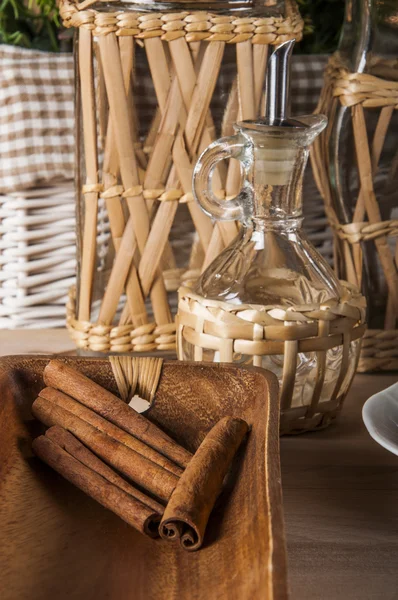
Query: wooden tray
55	542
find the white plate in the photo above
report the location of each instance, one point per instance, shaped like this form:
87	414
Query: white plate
380	415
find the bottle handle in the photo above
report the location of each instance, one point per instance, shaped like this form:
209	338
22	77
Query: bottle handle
222	210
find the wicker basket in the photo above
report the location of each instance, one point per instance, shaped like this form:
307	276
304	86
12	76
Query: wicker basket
254	333
366	96
144	181
37	256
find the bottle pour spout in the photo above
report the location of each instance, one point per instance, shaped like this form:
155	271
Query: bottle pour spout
273	151
278	84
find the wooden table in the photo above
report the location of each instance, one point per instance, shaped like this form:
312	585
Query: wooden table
340	495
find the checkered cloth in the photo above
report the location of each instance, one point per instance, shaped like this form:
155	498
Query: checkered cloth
36	118
307	81
36	111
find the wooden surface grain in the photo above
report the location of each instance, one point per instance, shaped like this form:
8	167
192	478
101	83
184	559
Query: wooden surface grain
35	341
75	542
340	495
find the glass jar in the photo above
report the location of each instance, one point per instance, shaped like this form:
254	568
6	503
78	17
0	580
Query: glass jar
156	82
270	269
356	161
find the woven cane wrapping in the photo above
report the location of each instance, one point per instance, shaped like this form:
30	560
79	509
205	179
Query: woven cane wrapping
258	332
193	26
136	375
141	182
95	337
362	92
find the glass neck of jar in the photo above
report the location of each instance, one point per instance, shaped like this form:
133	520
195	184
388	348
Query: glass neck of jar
242	7
368	41
276	176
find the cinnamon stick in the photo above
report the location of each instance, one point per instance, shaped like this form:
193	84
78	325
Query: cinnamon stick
72	446
78	386
188	510
89	416
137	468
128	508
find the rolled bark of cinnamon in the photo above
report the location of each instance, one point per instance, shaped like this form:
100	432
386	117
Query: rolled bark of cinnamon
138	515
78	386
143	472
72	446
188	510
84	413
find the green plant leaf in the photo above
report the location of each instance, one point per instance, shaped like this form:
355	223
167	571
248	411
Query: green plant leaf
32	24
323	20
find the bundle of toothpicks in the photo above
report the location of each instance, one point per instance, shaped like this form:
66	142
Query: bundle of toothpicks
126	463
142	182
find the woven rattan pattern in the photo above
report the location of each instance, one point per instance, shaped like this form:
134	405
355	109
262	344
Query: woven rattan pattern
124	338
136	375
196	26
363	92
370	92
355	233
379	351
360	88
260	331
